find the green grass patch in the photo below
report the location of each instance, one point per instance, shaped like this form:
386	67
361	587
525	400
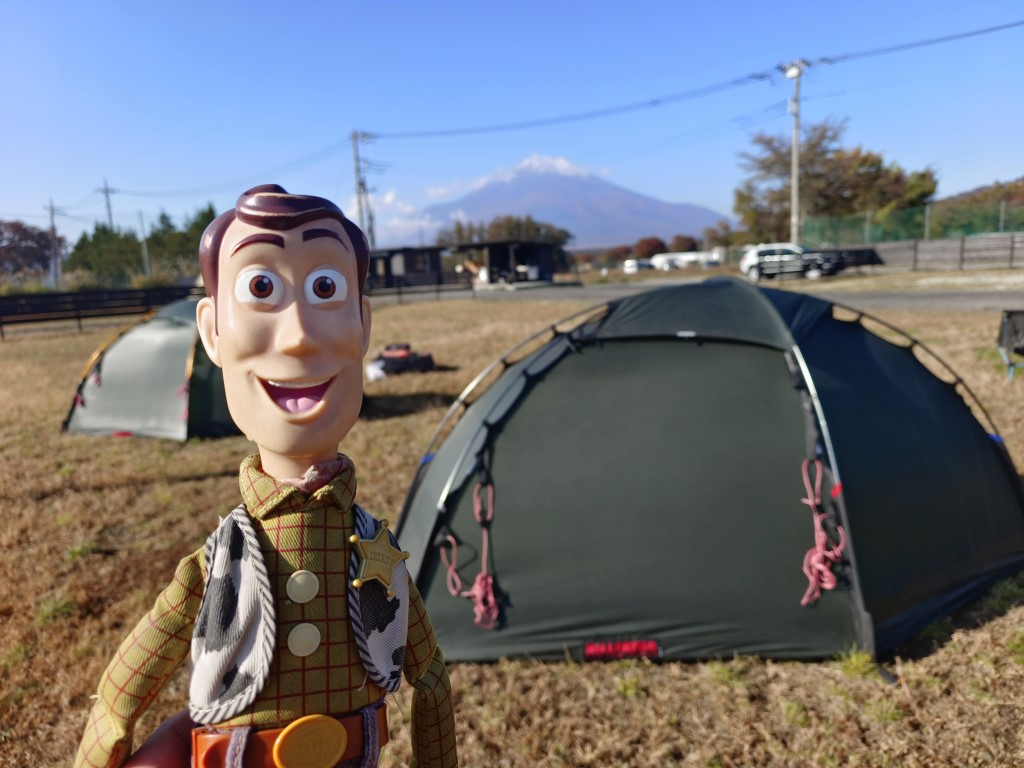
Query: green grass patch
15	657
631	686
53	608
883	711
1016	648
15	697
1005	595
80	551
795	714
856	663
725	673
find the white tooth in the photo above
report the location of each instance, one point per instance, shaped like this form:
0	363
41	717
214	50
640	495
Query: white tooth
295	384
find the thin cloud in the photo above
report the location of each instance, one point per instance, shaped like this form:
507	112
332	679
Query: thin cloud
397	222
535	163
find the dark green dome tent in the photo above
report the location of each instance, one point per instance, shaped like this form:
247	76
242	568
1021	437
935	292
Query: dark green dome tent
705	470
153	380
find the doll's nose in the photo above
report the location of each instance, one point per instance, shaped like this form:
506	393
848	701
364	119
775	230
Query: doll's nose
294	333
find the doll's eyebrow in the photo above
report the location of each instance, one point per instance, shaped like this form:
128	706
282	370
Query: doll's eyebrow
260	237
312	234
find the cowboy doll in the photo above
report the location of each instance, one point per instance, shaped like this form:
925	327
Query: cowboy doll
298	615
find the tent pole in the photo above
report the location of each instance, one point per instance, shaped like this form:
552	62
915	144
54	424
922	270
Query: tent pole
863	619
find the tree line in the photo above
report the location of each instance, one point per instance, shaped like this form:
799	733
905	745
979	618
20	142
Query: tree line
117	255
523	229
108	256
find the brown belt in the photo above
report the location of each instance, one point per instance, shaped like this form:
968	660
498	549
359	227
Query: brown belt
315	741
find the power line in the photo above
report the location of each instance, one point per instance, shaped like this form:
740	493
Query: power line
85	219
9	215
685	95
87	200
574	117
280	170
918	44
647	104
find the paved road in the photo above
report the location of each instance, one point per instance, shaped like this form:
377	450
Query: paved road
976	299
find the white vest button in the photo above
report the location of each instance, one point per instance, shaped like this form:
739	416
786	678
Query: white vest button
303	639
302	586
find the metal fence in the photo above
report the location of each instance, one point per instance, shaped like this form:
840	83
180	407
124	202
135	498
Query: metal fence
416	286
81	305
376	285
935	221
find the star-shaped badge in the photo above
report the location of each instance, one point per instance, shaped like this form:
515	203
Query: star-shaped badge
377	558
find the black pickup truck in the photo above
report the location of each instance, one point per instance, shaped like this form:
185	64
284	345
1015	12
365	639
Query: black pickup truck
834	260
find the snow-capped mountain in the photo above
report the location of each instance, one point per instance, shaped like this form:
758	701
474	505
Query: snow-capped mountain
597	212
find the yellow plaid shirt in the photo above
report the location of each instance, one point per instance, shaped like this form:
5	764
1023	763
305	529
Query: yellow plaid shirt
296	531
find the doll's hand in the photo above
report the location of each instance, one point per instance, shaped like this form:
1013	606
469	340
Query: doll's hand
169	746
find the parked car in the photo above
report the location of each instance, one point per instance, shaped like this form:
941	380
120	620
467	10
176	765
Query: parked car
632	266
771	259
835	260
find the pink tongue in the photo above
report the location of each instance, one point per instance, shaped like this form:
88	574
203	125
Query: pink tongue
296	399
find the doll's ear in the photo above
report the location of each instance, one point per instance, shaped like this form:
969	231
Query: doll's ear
206	320
366	324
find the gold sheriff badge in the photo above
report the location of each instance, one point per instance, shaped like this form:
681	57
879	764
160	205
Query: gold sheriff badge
377	558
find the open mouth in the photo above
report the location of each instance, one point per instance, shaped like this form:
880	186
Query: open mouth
296	396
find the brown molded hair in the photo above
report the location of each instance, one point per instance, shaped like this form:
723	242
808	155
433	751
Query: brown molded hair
269	206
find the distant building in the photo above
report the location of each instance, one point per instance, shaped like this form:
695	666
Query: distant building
400	267
511	261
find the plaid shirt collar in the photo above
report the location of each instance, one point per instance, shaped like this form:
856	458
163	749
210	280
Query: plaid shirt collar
264	496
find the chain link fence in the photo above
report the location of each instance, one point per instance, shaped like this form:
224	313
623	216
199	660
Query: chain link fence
936	221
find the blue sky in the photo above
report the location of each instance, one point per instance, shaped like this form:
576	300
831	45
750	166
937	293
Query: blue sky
181	104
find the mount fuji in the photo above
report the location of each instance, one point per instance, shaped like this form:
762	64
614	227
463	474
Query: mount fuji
596	212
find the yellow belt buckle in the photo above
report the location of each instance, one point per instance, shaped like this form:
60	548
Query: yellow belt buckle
313	741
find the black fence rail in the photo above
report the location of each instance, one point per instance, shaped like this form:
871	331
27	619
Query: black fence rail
78	305
377	284
419	285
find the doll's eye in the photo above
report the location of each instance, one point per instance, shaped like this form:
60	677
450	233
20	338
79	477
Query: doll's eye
258	286
325	285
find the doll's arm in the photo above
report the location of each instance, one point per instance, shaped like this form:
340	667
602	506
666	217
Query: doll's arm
433	710
143	664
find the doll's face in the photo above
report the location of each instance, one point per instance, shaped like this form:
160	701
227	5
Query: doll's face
289	329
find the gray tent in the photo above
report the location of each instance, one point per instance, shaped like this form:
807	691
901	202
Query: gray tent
154	380
705	470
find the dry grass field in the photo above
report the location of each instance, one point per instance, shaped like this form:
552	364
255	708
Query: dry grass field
93	528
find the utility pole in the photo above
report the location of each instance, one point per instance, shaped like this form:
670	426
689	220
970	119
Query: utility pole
55	265
107	191
360	185
793	72
364	212
145	248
